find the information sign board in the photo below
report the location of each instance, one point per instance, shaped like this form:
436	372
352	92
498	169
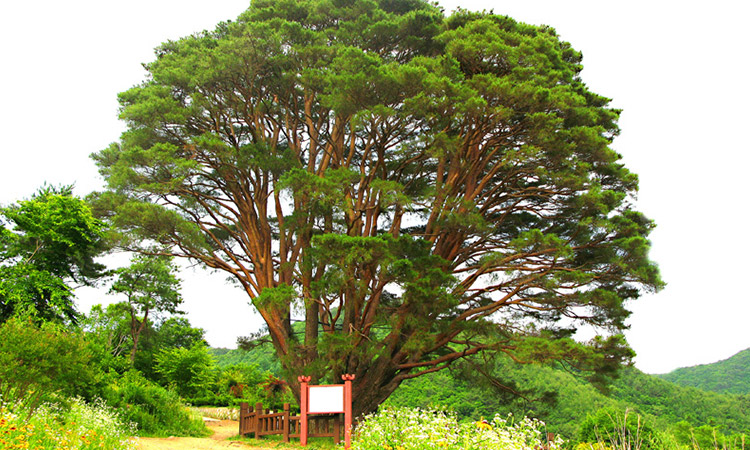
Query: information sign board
326	399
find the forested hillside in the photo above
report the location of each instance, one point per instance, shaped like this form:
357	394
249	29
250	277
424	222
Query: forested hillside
560	398
728	376
263	358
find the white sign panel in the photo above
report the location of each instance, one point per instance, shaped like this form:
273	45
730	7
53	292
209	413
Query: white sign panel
326	399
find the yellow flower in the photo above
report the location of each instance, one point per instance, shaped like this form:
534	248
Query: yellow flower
484	425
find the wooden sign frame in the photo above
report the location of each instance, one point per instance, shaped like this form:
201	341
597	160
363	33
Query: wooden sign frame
325	400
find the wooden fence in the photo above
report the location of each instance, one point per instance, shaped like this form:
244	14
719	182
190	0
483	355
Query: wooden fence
262	422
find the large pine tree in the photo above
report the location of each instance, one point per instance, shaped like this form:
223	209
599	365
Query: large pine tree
417	188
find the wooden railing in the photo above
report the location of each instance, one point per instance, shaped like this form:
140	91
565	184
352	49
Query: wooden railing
259	422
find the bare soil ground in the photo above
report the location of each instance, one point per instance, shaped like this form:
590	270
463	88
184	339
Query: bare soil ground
222	429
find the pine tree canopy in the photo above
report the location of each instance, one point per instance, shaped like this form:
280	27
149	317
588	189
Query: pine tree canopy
417	188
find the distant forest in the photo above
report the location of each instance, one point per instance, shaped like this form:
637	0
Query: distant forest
730	376
563	399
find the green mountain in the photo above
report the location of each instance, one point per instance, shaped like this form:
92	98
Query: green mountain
730	376
563	400
671	403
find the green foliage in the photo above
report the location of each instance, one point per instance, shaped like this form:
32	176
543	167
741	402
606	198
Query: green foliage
727	376
36	294
188	371
39	363
110	328
150	285
621	429
671	403
242	383
58	233
53	240
77	426
262	356
177	332
251	376
707	437
561	399
155	410
475	391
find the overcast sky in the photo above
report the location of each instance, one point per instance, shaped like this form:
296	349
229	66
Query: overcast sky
678	69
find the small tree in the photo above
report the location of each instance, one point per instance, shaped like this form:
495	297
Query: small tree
151	286
51	243
190	371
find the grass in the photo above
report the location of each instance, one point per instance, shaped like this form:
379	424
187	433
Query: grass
275	441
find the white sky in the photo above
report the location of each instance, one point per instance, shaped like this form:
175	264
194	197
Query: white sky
678	69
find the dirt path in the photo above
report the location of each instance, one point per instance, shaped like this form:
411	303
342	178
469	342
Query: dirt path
222	429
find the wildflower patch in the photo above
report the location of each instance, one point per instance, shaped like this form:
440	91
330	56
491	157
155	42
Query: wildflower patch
429	429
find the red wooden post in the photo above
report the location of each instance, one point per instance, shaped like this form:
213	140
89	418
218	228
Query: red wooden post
303	409
347	410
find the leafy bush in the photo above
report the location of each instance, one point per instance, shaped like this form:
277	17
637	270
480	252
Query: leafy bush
78	425
155	410
416	429
37	363
191	372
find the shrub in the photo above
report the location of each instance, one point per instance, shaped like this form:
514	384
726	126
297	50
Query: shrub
155	410
416	429
37	363
78	425
191	372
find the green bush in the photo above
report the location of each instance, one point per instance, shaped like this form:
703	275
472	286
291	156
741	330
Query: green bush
39	363
191	372
155	410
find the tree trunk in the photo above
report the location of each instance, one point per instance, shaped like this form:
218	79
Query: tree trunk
135	332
